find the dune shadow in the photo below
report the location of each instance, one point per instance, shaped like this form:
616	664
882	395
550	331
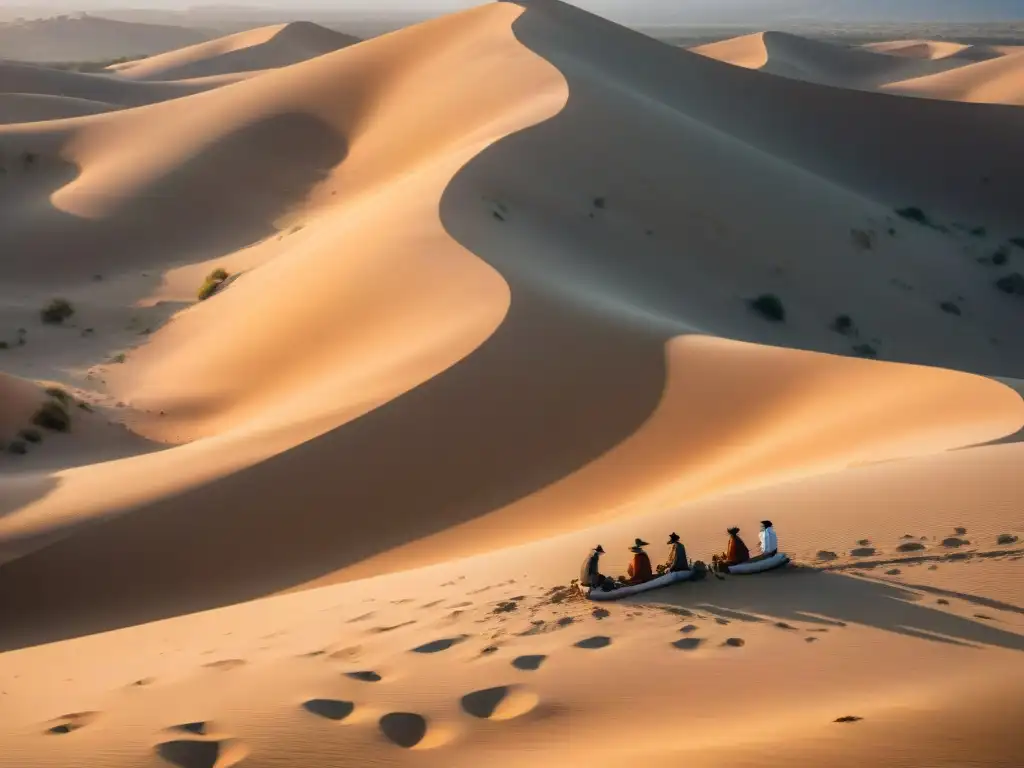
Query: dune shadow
223	198
822	597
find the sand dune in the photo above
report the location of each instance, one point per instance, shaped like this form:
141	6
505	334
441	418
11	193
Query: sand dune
255	49
85	38
35	107
787	55
996	81
935	49
489	305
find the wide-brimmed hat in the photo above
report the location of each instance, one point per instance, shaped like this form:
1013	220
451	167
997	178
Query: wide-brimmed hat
732	531
766	523
672	538
599	549
638	544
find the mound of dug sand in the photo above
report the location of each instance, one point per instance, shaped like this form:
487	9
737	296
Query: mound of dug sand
252	50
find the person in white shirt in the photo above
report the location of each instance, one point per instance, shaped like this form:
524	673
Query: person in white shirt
769	541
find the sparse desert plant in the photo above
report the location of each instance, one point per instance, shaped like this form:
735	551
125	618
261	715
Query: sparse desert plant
118	358
1000	257
1012	283
52	415
950	308
59	394
18	448
769	306
57	311
865	350
213	282
862	239
31	435
844	324
915	214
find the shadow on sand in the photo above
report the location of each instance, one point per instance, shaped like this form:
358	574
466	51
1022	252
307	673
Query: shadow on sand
832	600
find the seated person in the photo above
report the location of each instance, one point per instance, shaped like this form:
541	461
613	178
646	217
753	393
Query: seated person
676	555
639	569
590	575
736	551
769	540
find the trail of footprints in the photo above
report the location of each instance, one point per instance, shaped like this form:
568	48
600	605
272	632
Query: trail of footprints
915	550
201	745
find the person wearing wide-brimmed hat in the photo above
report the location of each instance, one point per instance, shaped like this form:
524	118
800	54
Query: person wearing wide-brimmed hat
639	569
676	555
590	574
736	551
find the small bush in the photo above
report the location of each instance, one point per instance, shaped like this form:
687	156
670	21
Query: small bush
599	202
950	308
31	435
118	358
52	415
1012	283
1000	257
843	324
213	281
59	394
57	311
865	350
17	447
915	214
769	306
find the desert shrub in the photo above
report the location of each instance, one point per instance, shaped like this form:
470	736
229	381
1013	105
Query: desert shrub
57	311
31	435
843	324
118	358
915	214
865	350
52	415
769	306
213	281
950	308
1000	257
59	394
17	447
1012	283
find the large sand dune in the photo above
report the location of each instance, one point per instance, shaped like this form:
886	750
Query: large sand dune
931	69
253	50
491	308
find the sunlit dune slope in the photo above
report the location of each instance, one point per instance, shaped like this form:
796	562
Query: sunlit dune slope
996	81
256	49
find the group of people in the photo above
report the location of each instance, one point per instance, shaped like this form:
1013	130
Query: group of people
640	570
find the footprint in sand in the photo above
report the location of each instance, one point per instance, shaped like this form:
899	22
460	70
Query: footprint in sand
827	555
983	617
187	753
434	604
688	628
848	719
71	722
942	601
1006	538
688	643
910	546
893	572
810	639
330	709
863	552
864	542
347	654
225	665
198	728
960	531
600	613
594	643
735	642
143	682
406	729
528	663
436	646
784	625
504	702
720	620
954	542
392	628
365	676
363	617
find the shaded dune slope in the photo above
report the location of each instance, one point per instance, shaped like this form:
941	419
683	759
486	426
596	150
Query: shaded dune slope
35	107
550	345
252	50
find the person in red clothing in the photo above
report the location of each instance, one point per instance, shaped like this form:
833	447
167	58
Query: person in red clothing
639	569
736	552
